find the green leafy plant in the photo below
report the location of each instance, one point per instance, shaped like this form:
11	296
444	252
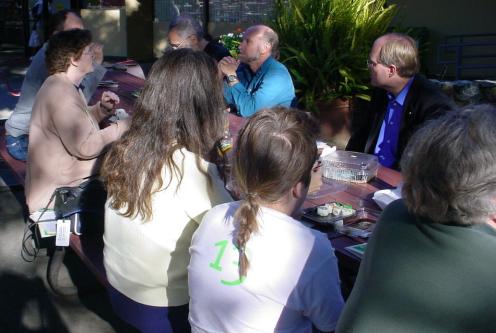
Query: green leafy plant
231	42
325	45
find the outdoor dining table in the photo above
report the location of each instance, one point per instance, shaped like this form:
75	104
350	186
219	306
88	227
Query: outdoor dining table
357	195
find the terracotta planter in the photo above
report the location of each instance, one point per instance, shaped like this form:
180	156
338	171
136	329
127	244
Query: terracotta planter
335	121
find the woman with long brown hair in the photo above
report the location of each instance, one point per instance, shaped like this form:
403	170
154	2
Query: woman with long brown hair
253	267
160	183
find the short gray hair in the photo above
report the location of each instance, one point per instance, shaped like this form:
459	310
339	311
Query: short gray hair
186	25
272	38
449	167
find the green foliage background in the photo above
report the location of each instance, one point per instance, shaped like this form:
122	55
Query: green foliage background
325	45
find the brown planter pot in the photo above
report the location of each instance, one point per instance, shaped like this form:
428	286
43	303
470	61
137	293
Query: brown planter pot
335	121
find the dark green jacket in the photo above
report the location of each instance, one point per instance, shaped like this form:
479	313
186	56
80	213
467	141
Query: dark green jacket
419	276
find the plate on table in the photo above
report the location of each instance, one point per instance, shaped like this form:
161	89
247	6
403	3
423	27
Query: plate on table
136	93
362	224
108	84
358	249
123	65
127	63
336	212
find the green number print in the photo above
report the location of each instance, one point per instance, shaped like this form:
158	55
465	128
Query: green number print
216	264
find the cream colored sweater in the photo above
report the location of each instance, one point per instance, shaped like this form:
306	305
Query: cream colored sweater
64	140
147	261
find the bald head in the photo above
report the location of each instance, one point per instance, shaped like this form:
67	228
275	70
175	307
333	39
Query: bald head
73	21
267	35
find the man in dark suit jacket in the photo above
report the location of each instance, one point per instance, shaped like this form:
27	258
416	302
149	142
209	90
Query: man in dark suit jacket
402	101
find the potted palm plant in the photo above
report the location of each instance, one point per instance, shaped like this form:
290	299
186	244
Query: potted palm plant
325	45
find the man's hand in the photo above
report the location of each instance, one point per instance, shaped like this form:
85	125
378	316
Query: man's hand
228	66
109	101
316	178
97	53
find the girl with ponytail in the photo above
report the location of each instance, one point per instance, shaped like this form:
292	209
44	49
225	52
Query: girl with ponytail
253	267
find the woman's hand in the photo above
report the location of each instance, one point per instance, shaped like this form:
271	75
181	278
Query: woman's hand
97	53
108	101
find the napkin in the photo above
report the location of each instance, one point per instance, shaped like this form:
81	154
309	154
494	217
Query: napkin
384	197
120	114
326	149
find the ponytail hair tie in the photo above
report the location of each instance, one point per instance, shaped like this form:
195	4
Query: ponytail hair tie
251	195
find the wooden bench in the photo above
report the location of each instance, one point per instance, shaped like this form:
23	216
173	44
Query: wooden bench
89	248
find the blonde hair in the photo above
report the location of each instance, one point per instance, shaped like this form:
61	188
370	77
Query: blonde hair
401	51
276	150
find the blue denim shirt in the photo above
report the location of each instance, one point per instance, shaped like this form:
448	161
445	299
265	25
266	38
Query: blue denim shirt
270	86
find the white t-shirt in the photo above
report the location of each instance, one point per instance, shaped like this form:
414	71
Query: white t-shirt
291	283
147	261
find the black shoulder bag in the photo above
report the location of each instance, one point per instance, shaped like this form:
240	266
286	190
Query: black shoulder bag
84	204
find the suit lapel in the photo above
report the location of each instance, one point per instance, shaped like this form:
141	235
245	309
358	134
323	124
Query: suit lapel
409	106
379	110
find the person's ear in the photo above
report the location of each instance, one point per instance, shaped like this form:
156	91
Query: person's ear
74	62
299	190
264	46
193	39
392	70
268	47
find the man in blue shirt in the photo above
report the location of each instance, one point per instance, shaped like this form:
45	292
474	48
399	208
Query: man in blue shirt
402	101
256	80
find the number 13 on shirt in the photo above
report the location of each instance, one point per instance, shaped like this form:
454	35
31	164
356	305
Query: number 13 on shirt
216	264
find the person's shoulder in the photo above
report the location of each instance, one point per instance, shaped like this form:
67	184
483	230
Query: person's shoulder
427	95
304	233
40	55
322	247
216	50
274	64
37	68
275	69
423	86
396	207
219	213
396	212
60	83
193	172
187	158
55	84
225	208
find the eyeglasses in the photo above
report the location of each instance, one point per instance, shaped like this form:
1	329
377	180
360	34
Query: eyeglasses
178	45
371	63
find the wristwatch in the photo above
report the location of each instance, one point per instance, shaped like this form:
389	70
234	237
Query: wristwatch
232	79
